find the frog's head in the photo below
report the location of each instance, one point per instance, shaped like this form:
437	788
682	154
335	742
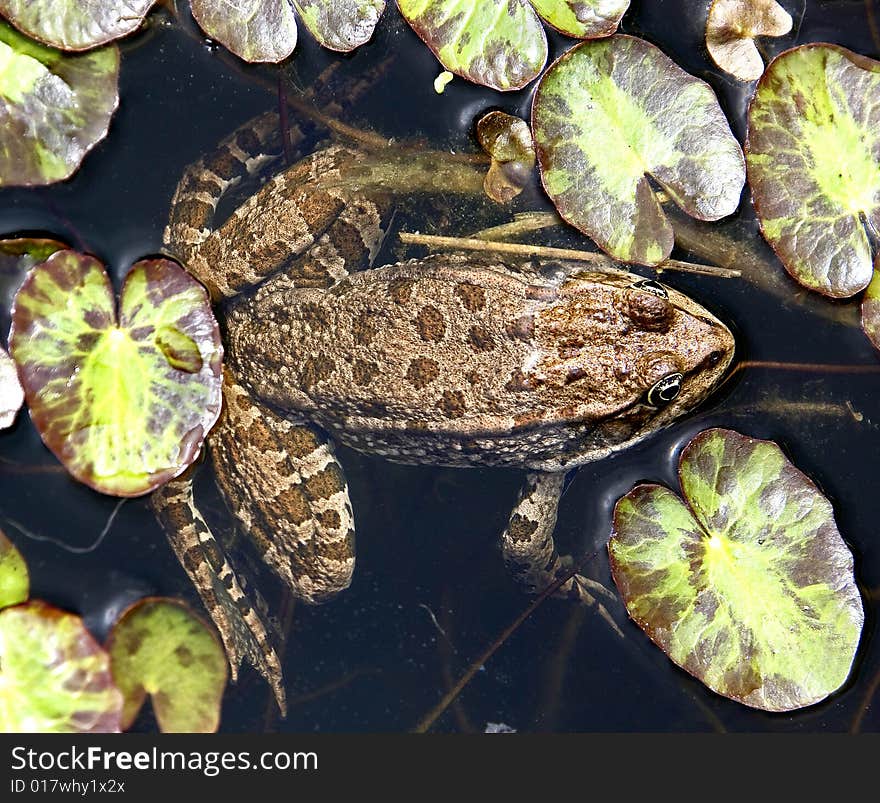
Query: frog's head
632	355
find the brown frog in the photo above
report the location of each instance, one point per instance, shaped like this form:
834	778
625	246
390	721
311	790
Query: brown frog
449	360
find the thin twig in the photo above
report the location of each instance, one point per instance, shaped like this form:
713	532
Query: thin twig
76	550
546	252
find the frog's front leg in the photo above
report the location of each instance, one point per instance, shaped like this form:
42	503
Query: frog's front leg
529	550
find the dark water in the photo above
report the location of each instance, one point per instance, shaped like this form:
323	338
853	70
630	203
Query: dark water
427	538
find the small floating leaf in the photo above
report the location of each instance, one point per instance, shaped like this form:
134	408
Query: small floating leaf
871	310
125	406
508	140
731	30
54	107
611	113
340	24
813	154
14	579
76	25
159	647
11	394
54	677
583	19
747	583
497	43
255	30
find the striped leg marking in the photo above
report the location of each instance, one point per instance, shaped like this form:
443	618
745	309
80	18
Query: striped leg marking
529	550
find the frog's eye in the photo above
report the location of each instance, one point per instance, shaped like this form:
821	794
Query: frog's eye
651	286
665	390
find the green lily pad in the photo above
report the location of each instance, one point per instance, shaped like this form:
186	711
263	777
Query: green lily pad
340	25
79	25
746	584
508	140
159	647
583	19
124	406
497	43
813	154
11	393
610	115
14	578
54	107
54	677
871	310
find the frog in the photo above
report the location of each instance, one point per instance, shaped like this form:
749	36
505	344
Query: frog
446	359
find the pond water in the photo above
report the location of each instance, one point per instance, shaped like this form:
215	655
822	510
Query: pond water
430	591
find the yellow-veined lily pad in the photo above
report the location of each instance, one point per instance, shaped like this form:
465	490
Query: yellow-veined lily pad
265	30
871	310
159	647
731	30
11	393
813	154
612	115
583	19
76	24
54	107
14	578
746	583
125	403
54	677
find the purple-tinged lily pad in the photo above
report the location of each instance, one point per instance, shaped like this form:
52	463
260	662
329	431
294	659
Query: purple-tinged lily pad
508	140
871	310
161	648
583	19
11	393
14	578
340	25
813	154
611	115
54	677
79	25
497	43
731	30
747	583
54	107
125	405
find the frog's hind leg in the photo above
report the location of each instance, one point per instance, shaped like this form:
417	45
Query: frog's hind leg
529	550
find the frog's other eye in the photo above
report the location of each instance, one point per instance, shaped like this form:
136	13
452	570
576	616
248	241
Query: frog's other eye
665	391
651	286
649	310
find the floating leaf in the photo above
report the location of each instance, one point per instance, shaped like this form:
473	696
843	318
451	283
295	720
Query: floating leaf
813	154
14	579
746	584
76	25
11	394
125	406
159	647
498	43
340	24
54	107
584	19
508	140
54	677
871	310
611	113
731	30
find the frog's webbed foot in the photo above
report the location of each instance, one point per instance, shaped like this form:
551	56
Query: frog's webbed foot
241	628
530	552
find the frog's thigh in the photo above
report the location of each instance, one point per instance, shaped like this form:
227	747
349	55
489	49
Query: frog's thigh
529	549
240	626
285	486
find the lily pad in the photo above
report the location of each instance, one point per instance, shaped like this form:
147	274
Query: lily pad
871	310
747	583
497	43
54	677
54	107
124	405
731	30
583	19
612	115
265	30
14	578
11	393
159	647
508	140
79	25
813	154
